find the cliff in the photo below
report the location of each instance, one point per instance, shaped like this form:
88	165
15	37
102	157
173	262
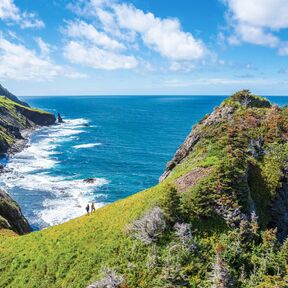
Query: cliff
15	118
12	97
218	217
11	216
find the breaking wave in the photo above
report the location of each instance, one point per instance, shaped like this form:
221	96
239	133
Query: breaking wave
32	171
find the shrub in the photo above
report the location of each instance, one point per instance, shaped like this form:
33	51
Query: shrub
170	203
110	279
149	227
221	275
184	234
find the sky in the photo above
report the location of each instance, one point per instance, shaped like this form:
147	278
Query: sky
143	47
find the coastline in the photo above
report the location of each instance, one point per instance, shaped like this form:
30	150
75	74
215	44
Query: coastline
20	144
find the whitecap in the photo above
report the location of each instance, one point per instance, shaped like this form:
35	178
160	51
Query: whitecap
30	169
89	145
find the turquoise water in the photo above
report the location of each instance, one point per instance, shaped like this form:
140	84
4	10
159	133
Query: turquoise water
122	142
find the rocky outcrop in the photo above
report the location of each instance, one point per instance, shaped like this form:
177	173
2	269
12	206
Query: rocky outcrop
59	118
11	216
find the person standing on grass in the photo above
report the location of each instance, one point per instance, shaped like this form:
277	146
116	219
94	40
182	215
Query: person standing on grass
93	207
87	209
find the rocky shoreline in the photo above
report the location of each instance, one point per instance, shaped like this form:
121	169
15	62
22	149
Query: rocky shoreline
18	121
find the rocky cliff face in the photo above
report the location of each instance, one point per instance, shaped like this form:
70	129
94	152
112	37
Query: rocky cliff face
11	216
14	118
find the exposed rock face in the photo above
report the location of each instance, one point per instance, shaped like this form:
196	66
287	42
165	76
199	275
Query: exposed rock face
5	92
279	212
219	114
11	216
35	117
191	178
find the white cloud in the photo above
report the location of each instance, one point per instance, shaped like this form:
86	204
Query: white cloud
256	35
163	35
20	63
258	21
261	13
44	47
128	25
11	13
283	49
82	30
95	57
220	81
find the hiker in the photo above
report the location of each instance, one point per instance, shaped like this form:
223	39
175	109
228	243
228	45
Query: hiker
93	207
87	209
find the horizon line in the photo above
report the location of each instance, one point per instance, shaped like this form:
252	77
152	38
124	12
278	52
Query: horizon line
147	95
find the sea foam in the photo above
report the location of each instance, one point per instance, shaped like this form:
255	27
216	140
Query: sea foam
30	170
88	145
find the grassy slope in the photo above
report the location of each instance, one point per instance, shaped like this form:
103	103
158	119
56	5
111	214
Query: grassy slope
73	254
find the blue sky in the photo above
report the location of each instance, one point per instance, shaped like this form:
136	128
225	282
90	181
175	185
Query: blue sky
114	47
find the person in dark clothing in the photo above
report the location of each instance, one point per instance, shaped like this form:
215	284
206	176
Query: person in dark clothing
87	209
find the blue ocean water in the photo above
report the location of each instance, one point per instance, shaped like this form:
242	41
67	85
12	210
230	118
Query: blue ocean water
122	142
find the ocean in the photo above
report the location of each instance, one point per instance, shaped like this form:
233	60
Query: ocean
122	142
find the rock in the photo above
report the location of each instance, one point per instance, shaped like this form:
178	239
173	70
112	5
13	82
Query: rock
11	216
89	180
60	120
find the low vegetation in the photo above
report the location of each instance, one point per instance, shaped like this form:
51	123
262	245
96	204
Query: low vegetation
218	230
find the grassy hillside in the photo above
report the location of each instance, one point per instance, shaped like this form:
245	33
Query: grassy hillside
218	204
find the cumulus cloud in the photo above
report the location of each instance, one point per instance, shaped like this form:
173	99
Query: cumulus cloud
258	22
20	63
10	13
82	30
97	58
122	25
163	35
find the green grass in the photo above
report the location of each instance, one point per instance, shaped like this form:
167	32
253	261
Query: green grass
10	105
74	253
